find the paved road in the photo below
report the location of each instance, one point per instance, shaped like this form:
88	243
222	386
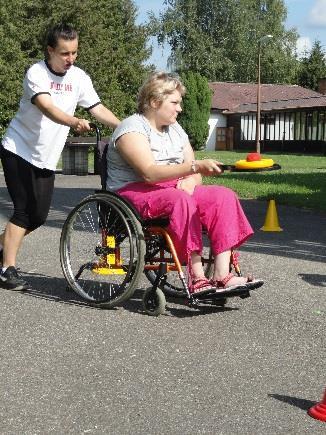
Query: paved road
254	367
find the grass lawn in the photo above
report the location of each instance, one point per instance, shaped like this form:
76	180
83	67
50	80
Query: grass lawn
300	182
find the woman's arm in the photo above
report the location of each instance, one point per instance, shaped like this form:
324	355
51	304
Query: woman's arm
45	104
188	183
135	149
104	115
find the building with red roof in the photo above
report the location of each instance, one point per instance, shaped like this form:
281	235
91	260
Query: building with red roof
292	118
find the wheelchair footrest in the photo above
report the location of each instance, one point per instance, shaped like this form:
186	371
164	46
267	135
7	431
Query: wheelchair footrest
241	292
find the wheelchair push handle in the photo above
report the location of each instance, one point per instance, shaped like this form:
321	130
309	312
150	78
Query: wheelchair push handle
97	131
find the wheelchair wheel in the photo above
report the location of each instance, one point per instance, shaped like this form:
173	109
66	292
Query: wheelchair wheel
173	285
102	250
154	301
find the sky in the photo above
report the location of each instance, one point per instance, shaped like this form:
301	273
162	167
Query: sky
307	16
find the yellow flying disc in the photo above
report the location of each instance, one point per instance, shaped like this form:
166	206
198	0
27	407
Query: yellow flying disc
256	164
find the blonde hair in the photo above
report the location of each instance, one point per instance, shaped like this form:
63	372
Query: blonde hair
157	87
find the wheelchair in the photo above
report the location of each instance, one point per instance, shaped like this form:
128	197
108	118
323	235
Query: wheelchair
105	247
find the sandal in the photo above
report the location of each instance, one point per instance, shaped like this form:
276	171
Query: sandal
201	286
250	284
253	284
222	287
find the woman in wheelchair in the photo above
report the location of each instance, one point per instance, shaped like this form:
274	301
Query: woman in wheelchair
151	163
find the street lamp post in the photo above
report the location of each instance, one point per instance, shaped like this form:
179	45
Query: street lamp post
260	41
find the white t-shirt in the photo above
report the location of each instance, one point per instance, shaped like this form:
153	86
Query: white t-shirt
167	148
32	135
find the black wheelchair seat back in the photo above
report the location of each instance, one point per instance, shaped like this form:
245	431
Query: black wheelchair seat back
100	155
103	163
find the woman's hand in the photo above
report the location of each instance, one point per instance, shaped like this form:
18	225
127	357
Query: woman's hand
188	184
208	167
81	125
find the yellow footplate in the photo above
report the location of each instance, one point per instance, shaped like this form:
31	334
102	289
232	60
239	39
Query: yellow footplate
110	264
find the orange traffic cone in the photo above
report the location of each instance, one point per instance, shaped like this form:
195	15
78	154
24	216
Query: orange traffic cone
319	411
271	220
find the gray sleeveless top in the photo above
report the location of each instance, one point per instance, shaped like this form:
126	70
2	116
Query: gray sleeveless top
167	149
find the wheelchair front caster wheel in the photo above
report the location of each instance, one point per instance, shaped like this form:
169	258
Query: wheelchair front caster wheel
154	301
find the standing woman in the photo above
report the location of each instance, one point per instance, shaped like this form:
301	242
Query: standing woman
152	165
35	139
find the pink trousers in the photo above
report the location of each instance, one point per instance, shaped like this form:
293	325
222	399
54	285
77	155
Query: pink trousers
216	208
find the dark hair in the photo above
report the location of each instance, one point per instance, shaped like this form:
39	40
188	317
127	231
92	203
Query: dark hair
62	30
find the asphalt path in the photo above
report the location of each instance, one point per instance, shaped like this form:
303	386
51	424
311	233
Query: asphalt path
254	367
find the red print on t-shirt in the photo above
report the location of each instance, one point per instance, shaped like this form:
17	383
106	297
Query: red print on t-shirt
67	87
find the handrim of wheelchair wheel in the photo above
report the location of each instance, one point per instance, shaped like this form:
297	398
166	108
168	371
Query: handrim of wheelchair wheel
102	250
154	301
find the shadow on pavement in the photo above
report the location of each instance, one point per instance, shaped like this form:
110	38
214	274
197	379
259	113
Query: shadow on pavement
314	279
52	289
175	307
294	401
55	290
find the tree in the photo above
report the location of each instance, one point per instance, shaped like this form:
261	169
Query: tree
313	67
12	63
219	39
196	108
112	48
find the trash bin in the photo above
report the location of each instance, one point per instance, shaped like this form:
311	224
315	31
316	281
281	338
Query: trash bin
68	161
75	155
75	160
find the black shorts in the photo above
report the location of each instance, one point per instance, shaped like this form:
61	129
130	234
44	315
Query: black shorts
30	189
